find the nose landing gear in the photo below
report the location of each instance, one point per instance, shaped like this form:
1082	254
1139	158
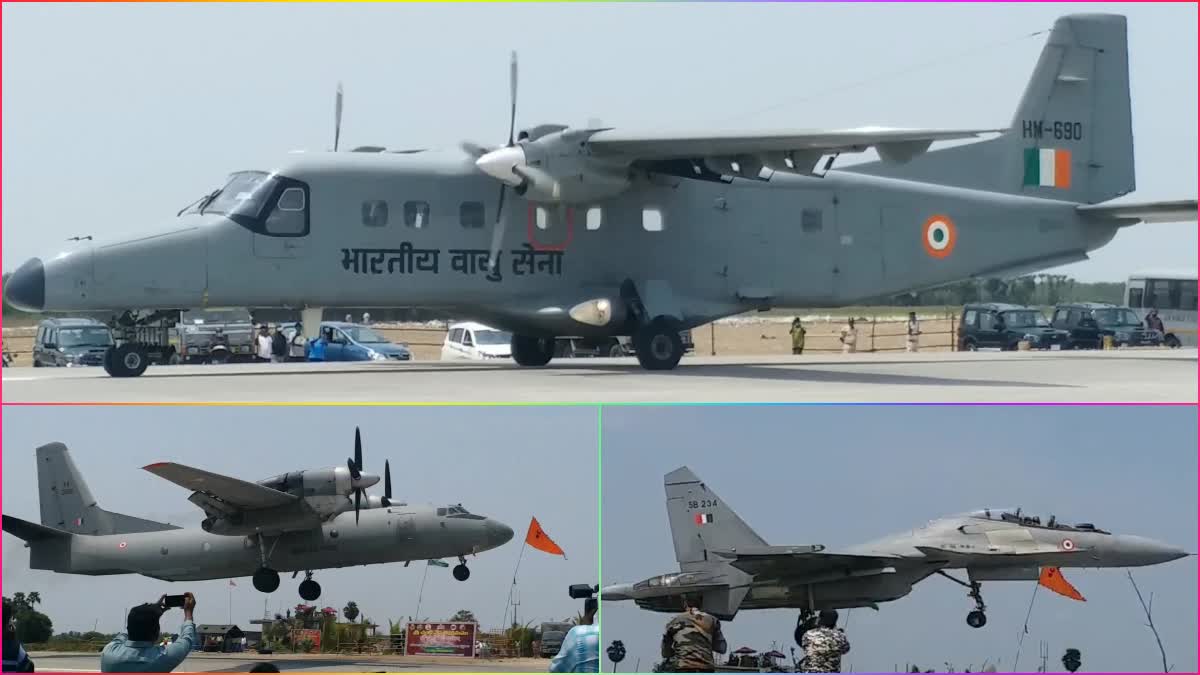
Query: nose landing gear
266	580
461	572
977	618
309	589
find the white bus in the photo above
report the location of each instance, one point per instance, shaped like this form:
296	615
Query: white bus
1173	294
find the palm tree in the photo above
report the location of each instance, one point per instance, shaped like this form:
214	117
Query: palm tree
350	611
463	616
34	598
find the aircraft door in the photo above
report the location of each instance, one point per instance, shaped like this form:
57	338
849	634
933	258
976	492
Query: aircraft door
811	246
406	528
285	228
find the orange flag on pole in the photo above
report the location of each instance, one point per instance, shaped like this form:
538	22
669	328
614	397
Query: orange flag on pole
538	539
1052	578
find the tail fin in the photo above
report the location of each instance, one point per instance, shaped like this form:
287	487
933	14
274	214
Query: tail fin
68	505
701	521
1072	136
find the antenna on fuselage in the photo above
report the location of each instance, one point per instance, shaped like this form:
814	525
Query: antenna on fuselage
337	117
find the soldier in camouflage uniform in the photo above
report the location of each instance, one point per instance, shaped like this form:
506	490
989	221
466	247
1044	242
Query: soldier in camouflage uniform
824	645
690	639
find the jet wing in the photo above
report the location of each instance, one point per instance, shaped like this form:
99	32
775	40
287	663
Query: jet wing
786	562
787	150
238	493
1180	211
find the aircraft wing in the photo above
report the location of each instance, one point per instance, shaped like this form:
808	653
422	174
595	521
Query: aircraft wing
1180	211
782	562
772	148
238	493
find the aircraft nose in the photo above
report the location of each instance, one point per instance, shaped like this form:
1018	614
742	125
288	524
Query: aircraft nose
1144	551
617	592
26	288
498	534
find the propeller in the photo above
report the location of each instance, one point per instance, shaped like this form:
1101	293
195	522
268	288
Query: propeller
387	484
355	466
337	117
486	158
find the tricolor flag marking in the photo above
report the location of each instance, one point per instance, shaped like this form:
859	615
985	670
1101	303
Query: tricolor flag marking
1047	167
704	518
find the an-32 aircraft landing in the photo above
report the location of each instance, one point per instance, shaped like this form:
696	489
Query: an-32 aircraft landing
599	232
295	522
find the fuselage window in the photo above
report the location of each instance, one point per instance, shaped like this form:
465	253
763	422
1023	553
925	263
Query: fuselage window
810	220
652	220
289	217
375	213
470	214
542	218
416	214
594	218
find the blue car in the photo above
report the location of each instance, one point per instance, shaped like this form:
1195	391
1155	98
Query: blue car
353	342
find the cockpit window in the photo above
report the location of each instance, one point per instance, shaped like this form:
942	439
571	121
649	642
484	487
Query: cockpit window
267	204
1016	516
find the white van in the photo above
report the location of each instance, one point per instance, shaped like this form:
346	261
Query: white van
476	342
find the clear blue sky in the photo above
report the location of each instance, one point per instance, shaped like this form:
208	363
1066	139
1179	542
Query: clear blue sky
506	463
117	115
844	475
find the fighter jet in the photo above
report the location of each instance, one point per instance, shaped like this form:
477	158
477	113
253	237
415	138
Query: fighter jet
297	522
731	568
599	232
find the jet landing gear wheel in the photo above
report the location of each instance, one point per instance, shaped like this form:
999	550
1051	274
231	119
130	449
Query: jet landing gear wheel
309	589
532	351
658	345
462	572
977	619
266	580
128	360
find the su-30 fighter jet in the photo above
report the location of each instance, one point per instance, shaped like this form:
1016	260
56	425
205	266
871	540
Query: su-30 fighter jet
602	232
731	568
296	522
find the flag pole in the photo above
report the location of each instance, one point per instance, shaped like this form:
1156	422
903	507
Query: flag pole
508	603
421	593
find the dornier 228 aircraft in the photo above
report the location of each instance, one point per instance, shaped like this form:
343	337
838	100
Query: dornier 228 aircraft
295	522
731	568
601	232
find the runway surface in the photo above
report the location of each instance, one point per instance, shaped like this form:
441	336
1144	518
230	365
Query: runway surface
936	377
240	663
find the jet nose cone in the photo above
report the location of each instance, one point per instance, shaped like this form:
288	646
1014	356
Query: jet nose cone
499	164
26	288
616	592
498	533
1143	551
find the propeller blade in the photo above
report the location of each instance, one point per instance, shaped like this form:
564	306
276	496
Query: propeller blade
357	449
337	118
357	497
497	232
354	473
512	91
387	484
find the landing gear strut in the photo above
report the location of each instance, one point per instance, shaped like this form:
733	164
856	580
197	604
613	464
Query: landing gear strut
140	341
266	580
309	589
978	617
461	572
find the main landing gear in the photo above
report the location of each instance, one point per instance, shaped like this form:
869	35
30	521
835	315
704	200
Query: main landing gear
309	589
461	572
977	618
532	351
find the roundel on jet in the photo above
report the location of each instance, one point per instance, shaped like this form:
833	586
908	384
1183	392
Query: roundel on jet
1068	545
938	235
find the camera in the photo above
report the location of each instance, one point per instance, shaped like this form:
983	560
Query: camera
173	601
587	593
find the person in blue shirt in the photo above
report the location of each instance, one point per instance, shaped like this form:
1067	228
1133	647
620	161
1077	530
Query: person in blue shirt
580	651
138	650
316	348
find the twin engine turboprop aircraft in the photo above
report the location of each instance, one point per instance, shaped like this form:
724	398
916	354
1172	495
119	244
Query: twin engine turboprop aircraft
615	232
292	523
731	568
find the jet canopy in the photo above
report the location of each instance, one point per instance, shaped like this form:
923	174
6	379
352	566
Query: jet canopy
457	511
1015	516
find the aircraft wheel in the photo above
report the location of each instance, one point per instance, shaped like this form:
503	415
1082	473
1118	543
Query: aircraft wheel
532	351
266	580
310	590
977	619
461	572
658	344
616	351
128	360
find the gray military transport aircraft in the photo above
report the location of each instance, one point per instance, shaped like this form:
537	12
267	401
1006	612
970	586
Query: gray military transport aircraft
731	568
635	233
295	522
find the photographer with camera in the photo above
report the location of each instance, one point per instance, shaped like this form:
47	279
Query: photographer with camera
138	651
580	651
691	638
824	645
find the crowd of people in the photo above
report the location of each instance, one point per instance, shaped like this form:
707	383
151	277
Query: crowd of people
848	336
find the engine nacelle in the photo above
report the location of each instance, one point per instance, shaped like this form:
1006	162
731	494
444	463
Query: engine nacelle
556	168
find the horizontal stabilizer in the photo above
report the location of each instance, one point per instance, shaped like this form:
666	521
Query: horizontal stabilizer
1179	211
27	531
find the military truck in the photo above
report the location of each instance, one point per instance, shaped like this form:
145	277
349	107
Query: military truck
553	633
193	335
